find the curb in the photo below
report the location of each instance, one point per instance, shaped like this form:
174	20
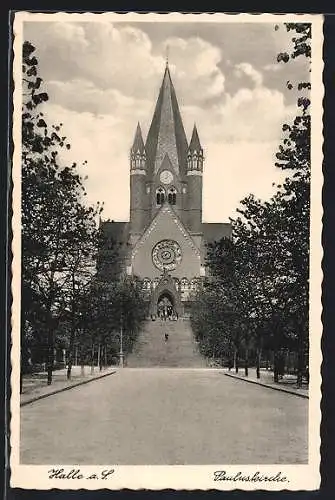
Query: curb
280	389
63	389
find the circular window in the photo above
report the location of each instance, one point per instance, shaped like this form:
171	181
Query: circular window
166	255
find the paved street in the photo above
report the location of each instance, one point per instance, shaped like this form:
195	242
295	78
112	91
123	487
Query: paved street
165	416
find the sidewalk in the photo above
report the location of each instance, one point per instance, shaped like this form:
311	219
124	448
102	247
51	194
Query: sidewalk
35	385
287	384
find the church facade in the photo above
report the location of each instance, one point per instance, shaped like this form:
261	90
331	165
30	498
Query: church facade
164	241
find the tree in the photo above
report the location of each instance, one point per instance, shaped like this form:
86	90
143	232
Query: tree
55	221
112	306
264	268
294	154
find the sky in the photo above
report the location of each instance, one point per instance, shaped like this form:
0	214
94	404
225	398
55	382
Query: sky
103	78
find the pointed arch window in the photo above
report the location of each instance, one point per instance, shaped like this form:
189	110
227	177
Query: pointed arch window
172	196
177	283
194	284
189	161
160	196
184	283
146	284
155	283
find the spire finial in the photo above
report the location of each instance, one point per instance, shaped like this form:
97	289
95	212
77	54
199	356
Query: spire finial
167	56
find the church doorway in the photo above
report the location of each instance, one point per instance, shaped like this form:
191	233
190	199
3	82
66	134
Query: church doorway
166	306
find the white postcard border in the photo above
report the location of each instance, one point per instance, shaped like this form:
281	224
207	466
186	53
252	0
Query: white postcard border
300	477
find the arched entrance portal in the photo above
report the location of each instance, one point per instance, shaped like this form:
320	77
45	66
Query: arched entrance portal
166	294
166	306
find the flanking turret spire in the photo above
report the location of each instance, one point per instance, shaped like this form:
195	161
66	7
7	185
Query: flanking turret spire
195	154
137	151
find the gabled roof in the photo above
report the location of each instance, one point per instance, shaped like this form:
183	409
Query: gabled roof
166	134
138	144
214	231
195	142
117	231
166	208
166	163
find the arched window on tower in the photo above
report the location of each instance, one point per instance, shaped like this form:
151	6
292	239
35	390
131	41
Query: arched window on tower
172	196
160	196
195	161
189	161
184	284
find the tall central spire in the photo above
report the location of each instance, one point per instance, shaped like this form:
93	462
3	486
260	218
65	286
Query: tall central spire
166	134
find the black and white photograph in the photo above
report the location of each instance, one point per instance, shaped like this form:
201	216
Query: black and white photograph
167	216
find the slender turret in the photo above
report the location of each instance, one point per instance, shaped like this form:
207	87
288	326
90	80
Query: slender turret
195	158
138	174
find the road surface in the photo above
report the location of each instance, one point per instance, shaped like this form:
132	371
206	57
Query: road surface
165	416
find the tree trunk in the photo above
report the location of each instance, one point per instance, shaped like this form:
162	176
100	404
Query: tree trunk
70	361
105	355
50	329
92	359
69	368
246	362
258	363
50	364
82	367
236	360
73	330
99	357
275	367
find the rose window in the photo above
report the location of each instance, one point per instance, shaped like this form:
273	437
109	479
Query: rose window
166	255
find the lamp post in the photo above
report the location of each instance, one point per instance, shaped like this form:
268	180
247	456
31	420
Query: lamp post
121	355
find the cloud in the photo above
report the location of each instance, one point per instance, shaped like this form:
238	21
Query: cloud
103	78
121	57
247	69
82	95
275	67
195	69
104	143
232	171
253	115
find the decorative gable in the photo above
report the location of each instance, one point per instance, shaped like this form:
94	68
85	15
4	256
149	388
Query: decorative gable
166	238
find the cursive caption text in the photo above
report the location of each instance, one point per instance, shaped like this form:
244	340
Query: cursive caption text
257	477
77	474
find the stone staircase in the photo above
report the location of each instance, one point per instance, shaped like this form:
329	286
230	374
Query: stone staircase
151	349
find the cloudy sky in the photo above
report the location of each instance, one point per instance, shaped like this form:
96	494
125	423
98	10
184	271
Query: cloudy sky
102	78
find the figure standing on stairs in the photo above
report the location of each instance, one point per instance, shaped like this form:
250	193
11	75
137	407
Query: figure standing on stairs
166	337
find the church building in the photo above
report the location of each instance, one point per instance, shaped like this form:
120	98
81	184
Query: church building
164	242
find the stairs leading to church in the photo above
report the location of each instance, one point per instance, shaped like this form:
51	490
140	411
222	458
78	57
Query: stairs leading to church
179	351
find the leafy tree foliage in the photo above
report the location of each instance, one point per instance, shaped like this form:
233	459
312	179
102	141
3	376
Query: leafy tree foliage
68	299
111	309
261	275
59	232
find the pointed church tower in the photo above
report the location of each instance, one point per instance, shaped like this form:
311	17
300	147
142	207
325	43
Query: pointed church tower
138	176
166	148
195	158
166	134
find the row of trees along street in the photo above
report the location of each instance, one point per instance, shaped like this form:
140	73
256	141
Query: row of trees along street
65	303
256	301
